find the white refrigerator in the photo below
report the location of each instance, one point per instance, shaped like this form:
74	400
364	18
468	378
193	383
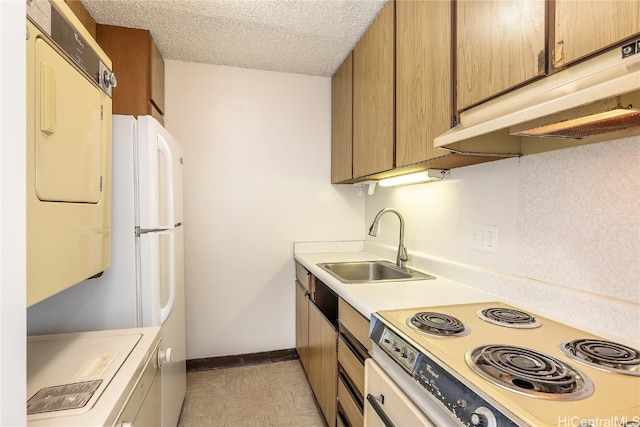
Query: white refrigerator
145	284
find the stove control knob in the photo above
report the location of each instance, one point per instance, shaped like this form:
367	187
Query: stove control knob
483	417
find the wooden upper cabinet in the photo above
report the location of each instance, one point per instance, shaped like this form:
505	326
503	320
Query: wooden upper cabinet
500	45
156	77
373	96
423	79
139	68
585	27
342	122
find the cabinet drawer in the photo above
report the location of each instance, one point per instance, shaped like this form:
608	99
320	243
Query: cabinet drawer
303	275
349	407
351	365
356	323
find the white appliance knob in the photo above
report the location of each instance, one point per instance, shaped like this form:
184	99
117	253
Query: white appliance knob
164	356
483	417
109	79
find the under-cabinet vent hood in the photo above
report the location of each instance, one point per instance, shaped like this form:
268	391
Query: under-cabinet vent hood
598	96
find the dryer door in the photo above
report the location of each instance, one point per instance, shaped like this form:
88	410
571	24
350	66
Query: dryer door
68	131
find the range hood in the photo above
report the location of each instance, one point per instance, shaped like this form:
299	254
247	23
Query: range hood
591	101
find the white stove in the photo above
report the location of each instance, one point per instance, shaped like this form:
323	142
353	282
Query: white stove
99	378
491	364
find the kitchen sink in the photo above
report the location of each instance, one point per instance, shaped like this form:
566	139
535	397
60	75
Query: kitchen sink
371	272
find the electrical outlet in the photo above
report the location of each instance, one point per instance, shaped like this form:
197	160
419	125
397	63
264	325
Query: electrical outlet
483	238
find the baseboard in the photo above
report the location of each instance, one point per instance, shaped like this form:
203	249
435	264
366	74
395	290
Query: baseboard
208	363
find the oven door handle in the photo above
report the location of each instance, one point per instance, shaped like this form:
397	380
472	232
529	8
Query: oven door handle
376	407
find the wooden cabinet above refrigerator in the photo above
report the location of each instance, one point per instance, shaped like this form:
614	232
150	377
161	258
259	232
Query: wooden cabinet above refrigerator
140	70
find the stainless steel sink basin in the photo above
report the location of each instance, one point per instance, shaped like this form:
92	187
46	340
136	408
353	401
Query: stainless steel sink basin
371	271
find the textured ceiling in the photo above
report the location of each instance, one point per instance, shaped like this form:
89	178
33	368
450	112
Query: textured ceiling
295	36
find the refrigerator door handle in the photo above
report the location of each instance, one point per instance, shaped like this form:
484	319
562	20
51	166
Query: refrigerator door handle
165	310
164	148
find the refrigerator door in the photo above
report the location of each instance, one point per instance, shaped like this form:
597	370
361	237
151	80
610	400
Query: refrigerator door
159	175
161	256
162	276
174	380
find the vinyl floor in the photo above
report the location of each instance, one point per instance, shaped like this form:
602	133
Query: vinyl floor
264	395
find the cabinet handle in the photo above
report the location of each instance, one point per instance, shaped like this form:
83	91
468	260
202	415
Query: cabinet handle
373	400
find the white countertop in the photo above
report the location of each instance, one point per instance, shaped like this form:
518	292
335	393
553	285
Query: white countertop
371	297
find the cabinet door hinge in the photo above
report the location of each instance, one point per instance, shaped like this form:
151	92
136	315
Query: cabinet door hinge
100	182
454	121
102	112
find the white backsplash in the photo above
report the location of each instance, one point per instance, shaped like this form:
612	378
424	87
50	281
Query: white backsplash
569	233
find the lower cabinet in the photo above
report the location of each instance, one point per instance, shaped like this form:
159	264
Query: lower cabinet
316	339
323	368
302	325
332	341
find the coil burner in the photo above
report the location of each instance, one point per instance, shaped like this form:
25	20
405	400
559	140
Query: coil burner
605	355
529	372
508	317
438	324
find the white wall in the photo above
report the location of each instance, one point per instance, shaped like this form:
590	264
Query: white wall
12	214
257	172
568	232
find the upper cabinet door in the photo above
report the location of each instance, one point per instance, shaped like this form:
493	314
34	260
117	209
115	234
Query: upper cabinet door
342	122
156	77
587	26
423	79
500	45
373	97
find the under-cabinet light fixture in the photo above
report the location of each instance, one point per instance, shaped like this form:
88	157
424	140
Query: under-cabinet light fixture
371	187
415	178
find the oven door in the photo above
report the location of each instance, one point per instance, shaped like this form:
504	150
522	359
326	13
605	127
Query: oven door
386	404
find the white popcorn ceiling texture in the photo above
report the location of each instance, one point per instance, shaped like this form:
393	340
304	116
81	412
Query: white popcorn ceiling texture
309	37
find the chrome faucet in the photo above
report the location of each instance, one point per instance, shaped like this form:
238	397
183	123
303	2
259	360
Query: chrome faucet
402	257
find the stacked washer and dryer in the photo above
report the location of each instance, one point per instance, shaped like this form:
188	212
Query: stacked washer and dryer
108	350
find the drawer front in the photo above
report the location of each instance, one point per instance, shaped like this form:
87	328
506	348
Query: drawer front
356	323
350	408
396	405
351	365
303	275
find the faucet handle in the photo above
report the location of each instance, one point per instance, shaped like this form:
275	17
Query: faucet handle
402	257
